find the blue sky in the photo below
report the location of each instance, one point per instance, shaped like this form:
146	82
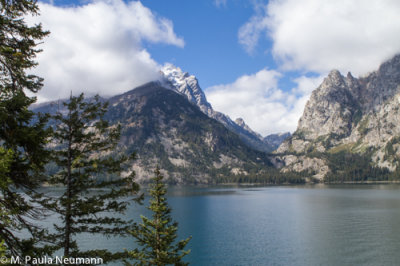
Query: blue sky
210	32
212	51
259	60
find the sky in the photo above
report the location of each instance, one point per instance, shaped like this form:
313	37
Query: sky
258	60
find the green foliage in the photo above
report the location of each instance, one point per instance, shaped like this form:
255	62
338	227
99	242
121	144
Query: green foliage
352	167
5	162
18	50
22	135
357	116
272	176
6	157
85	146
156	236
3	253
389	150
2	249
363	126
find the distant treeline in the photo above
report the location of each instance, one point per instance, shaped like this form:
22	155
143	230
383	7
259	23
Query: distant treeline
353	167
271	177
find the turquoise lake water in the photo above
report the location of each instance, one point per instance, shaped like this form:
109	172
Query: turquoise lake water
288	225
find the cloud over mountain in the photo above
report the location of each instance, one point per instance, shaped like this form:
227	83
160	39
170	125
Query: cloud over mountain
305	36
313	35
257	99
98	47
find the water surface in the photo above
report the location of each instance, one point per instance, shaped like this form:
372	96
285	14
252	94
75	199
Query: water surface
290	225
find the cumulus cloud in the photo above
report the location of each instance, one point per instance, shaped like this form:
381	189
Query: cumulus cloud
257	99
314	35
98	47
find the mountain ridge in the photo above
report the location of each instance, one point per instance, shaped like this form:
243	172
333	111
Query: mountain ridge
347	114
189	86
168	131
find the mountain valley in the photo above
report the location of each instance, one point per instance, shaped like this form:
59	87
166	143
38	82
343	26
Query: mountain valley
349	131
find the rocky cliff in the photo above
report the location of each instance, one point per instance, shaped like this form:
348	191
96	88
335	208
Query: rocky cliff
352	115
275	140
188	85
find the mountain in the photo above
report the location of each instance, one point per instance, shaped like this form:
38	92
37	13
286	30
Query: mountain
274	140
188	85
348	119
165	129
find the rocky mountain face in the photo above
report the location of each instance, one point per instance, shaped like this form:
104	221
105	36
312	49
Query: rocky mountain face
188	85
165	129
352	115
274	140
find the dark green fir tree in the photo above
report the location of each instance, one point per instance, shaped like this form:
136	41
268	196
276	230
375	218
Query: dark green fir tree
22	135
5	161
90	169
157	236
2	249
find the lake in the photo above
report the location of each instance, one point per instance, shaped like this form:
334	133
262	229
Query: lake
282	225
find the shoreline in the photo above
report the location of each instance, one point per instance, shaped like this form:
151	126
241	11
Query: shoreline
46	185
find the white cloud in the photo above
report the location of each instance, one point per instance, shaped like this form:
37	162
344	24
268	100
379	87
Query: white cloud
220	3
258	100
249	34
97	48
314	35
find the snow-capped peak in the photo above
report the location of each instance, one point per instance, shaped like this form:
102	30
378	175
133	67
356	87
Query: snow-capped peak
187	85
175	75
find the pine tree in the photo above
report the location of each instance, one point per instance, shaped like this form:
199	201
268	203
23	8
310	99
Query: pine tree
5	161
21	132
2	249
85	148
156	237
